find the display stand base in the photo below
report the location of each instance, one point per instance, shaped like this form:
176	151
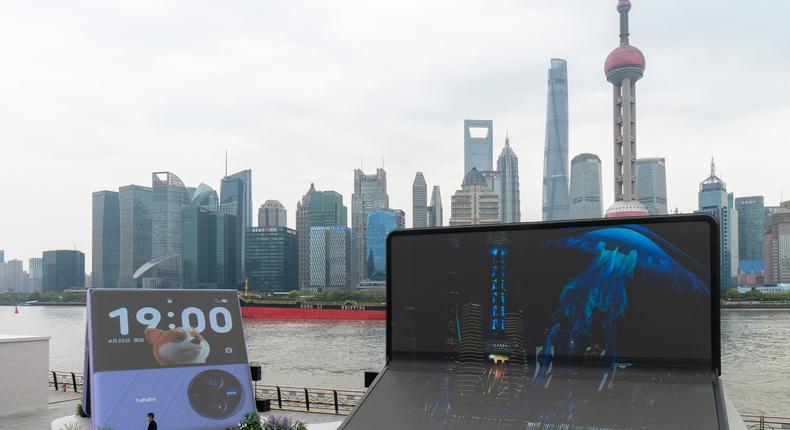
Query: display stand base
86	424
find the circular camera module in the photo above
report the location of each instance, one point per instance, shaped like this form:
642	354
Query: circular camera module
215	394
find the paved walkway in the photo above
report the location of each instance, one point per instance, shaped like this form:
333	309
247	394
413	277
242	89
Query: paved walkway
60	405
63	404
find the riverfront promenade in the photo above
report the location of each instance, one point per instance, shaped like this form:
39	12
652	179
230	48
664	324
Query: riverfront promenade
64	404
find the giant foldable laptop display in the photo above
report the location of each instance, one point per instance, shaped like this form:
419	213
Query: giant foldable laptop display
606	324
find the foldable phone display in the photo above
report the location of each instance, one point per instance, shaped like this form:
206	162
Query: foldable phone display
605	324
177	353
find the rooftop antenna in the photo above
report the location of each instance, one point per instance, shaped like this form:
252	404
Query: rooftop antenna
382	162
226	163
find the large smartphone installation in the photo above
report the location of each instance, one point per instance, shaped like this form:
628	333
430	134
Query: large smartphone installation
177	353
573	325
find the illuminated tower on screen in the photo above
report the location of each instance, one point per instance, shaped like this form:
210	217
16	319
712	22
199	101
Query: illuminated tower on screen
498	346
624	66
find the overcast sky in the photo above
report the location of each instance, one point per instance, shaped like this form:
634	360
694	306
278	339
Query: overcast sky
98	94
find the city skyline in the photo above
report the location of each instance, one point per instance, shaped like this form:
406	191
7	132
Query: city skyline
94	139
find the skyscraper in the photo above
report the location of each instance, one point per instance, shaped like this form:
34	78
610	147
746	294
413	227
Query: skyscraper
624	66
475	203
370	194
651	184
713	199
272	256
2	256
238	188
106	239
776	247
316	209
435	212
135	208
330	257
35	267
210	252
478	145
169	197
586	187
751	227
555	155
509	194
12	276
272	214
379	225
63	270
204	195
419	202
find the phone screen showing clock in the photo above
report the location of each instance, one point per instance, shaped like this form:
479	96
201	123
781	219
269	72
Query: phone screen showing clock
146	329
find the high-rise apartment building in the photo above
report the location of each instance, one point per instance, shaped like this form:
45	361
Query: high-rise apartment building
272	214
478	145
713	199
12	276
776	247
624	66
651	184
237	188
106	239
272	255
330	258
370	194
508	189
135	209
435	212
555	154
63	270
586	199
379	225
419	202
35	267
751	227
475	202
316	209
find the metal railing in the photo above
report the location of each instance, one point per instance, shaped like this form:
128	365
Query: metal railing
761	422
320	400
297	399
65	381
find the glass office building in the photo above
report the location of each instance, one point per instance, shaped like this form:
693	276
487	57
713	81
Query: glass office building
63	270
330	258
209	258
237	188
106	239
380	224
135	206
272	255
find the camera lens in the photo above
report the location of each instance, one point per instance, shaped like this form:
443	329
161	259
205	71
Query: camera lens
219	407
216	381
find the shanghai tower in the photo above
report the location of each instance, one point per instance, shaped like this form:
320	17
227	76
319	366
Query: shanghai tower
555	155
624	66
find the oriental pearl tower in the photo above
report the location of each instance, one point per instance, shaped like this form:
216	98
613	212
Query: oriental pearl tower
624	66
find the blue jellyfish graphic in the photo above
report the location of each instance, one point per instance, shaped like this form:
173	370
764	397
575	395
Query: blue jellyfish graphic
597	298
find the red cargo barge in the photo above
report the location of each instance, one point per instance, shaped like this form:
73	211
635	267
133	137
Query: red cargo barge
281	310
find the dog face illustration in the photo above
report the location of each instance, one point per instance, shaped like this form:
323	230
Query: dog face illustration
177	346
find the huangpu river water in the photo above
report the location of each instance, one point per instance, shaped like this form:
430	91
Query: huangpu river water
755	351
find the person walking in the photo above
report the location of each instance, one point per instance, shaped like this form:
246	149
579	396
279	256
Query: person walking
151	422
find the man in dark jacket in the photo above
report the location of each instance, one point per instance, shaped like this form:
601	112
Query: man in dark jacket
151	422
